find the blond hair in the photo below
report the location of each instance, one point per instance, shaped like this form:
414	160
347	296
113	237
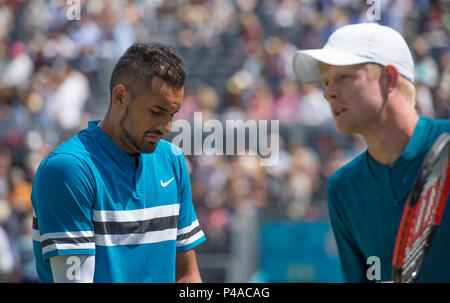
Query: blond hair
405	86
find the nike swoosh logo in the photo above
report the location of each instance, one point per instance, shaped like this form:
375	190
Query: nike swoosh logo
164	184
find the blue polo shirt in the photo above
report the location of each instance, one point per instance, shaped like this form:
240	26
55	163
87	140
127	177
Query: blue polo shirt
134	214
366	201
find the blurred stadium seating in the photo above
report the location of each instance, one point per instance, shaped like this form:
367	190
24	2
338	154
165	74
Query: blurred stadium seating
263	224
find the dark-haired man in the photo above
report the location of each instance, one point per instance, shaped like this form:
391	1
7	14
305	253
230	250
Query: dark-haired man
113	203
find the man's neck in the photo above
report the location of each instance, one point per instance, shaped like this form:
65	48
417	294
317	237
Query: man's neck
389	139
112	131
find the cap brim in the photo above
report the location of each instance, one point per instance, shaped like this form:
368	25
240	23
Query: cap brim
305	62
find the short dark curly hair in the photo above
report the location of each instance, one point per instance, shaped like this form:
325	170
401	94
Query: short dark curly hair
142	61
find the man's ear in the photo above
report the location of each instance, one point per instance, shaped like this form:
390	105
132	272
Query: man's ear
120	97
392	76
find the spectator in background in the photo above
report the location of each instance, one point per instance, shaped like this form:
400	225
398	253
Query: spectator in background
5	166
19	68
67	103
287	102
20	191
261	104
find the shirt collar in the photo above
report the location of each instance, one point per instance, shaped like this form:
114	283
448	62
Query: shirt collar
415	143
108	144
413	147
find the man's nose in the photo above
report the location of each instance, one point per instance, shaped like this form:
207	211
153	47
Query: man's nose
331	92
165	124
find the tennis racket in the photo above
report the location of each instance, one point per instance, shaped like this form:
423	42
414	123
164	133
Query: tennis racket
423	212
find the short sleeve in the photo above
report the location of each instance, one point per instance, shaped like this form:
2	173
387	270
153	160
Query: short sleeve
189	233
350	256
62	197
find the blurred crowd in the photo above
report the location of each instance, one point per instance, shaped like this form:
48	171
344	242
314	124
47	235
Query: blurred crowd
54	77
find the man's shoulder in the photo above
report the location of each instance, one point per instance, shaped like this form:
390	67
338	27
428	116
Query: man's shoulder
349	171
69	155
58	164
429	131
438	125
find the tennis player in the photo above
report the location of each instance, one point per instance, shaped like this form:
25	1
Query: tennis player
113	203
367	71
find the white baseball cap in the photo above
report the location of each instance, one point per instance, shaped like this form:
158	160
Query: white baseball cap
355	44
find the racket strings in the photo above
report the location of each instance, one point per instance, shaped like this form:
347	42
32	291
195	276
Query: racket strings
423	212
422	215
423	218
412	255
426	211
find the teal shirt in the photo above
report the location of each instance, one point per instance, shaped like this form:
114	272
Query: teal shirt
92	198
366	201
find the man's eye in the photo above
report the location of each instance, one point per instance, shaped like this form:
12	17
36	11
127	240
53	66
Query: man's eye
155	112
344	76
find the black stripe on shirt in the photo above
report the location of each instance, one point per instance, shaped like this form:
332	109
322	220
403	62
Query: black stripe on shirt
189	234
67	240
135	227
35	224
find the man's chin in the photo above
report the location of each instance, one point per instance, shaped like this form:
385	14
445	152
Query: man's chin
344	129
148	148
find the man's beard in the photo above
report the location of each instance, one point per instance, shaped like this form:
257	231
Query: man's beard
138	145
